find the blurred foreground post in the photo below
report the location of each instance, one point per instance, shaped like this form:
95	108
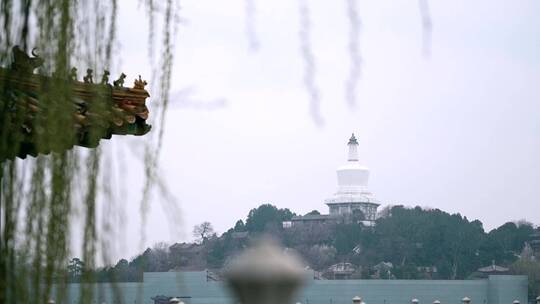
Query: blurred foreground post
466	300
265	275
357	300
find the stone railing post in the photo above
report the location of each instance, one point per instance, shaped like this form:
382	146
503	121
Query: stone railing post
515	302
357	300
466	300
415	301
436	302
264	274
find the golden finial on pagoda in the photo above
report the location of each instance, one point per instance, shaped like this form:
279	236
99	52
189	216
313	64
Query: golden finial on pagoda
139	83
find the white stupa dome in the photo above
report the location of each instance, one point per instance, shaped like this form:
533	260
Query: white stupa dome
352	179
353	176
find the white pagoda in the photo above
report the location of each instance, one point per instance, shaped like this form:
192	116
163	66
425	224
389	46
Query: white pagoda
353	196
352	202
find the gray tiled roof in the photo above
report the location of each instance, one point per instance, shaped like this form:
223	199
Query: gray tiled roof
313	217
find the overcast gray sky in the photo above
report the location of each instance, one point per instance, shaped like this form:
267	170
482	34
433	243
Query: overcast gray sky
459	131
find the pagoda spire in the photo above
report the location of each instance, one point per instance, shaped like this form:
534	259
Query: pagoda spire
353	148
352	140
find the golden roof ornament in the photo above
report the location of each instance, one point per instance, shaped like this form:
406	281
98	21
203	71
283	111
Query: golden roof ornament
139	83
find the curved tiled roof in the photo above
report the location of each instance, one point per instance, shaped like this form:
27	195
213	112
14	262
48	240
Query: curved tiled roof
98	111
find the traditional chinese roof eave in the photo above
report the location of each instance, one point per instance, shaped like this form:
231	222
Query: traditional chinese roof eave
123	111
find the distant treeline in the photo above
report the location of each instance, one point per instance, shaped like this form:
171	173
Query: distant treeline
411	239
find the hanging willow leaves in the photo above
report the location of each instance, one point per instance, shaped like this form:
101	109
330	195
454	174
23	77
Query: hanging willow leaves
425	16
46	47
354	53
250	25
306	52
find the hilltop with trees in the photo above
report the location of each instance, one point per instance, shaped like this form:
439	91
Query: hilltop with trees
417	243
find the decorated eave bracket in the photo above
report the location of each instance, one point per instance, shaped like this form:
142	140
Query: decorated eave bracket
124	113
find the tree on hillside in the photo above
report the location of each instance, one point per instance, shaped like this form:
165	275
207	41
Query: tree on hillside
223	247
265	216
309	235
319	257
313	212
203	231
216	252
158	258
430	238
511	236
121	271
75	269
347	236
239	226
532	270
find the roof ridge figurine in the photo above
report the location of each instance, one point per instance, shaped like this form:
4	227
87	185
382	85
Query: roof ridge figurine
24	63
73	74
105	77
89	76
118	83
